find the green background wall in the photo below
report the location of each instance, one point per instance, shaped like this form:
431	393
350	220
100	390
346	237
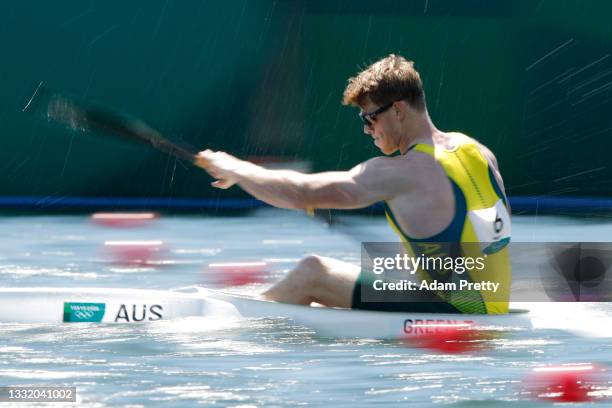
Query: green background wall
530	79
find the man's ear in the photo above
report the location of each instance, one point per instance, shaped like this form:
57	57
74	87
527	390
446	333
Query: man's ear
400	108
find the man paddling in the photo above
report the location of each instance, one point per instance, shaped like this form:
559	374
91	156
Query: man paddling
442	187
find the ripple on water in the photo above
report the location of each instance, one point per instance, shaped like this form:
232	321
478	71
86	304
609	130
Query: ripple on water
181	394
54	374
20	272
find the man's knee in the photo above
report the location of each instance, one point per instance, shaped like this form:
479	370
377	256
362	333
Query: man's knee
311	269
312	263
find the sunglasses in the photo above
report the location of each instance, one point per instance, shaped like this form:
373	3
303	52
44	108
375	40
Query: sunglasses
368	118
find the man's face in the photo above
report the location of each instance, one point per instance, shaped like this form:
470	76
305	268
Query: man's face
382	128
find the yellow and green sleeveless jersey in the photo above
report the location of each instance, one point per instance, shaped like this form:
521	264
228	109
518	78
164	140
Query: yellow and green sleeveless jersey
481	217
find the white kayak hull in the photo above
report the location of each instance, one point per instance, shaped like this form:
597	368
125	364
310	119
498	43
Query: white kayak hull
112	305
345	323
103	305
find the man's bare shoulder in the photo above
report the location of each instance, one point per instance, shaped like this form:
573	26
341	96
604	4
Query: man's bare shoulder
409	161
400	171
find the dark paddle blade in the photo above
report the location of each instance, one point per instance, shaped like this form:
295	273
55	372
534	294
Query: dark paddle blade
85	117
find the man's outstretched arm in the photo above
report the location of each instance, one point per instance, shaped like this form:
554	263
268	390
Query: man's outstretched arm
359	187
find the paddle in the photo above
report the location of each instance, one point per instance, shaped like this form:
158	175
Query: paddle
86	117
83	116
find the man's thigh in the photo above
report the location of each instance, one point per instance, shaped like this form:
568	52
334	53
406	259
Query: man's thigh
337	283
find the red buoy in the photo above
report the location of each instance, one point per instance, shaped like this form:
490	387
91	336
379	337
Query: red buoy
238	273
134	252
123	220
565	383
446	337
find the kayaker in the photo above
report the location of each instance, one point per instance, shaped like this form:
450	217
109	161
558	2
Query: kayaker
437	187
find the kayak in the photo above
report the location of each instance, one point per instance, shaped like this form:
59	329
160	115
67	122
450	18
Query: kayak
346	323
122	305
